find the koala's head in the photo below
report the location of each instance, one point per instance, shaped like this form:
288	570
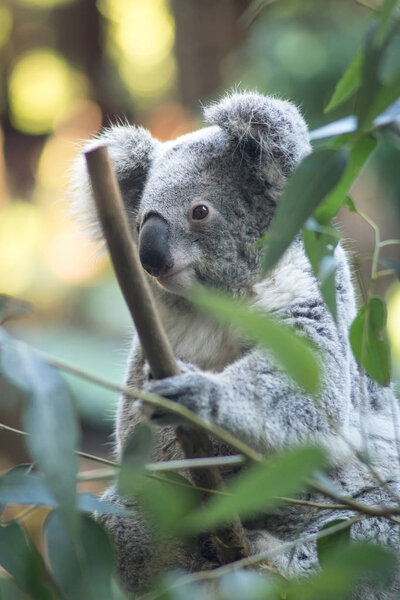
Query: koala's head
197	205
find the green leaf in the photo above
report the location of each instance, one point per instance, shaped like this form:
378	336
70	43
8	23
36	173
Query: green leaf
257	489
348	83
359	154
320	247
342	572
385	14
335	542
369	342
136	454
293	352
21	560
12	308
386	99
369	100
20	487
81	567
349	204
310	183
10	591
167	504
50	421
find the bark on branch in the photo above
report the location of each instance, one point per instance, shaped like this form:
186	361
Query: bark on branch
155	344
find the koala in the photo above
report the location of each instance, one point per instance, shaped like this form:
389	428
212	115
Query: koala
197	206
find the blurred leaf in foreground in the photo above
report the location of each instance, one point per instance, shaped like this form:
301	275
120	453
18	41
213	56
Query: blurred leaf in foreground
369	341
310	183
136	454
20	559
342	572
359	154
19	486
82	568
49	419
320	243
294	353
335	542
257	489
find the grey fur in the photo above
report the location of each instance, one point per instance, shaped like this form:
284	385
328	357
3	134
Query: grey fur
238	167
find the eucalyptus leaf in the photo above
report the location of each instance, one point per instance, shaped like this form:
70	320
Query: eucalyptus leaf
310	183
341	573
371	84
386	109
369	341
320	248
167	504
21	560
256	490
136	454
385	14
335	542
359	155
89	503
348	83
20	487
82	566
293	352
50	421
10	591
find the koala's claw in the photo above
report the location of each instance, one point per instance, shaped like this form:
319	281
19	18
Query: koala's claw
194	390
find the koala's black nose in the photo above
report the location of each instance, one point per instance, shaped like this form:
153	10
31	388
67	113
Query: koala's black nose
154	251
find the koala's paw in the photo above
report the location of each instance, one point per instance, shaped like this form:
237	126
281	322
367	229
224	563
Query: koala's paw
184	367
193	389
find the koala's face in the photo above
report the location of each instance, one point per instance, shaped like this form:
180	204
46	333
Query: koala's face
198	205
200	215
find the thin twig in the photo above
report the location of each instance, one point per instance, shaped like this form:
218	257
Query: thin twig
389	243
366	509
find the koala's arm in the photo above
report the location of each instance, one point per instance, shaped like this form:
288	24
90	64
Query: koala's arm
256	401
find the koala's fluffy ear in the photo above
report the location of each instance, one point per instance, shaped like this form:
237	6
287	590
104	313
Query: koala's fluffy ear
131	152
270	133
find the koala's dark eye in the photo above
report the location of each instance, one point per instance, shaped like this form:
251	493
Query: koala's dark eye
200	212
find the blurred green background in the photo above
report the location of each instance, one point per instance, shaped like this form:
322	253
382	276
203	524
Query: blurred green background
70	66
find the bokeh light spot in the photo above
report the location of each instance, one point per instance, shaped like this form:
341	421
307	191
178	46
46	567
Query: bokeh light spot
41	87
141	41
20	239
